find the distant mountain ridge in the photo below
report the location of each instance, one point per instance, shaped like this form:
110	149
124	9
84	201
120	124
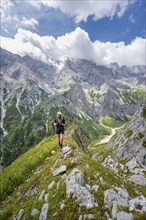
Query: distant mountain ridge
99	86
30	88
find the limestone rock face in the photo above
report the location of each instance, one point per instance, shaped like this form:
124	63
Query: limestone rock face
114	198
75	185
131	140
44	212
121	197
138	201
138	179
59	170
124	216
128	145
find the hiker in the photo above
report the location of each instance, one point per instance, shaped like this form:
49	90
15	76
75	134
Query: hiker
60	123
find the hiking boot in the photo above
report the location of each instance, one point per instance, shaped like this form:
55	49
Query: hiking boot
59	146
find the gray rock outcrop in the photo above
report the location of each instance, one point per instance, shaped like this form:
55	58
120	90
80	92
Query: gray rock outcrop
34	212
20	214
50	186
139	201
75	186
59	170
124	216
121	197
41	196
44	212
138	179
114	198
66	150
131	140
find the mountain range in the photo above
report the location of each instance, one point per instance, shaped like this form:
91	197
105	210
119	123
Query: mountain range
31	91
101	171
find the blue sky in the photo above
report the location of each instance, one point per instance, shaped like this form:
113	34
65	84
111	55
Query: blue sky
56	23
113	21
125	28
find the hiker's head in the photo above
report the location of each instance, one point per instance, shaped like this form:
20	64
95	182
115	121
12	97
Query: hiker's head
59	114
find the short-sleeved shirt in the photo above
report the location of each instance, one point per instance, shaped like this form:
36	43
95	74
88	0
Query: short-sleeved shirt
59	126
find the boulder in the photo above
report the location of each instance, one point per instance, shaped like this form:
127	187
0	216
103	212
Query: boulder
132	164
20	214
124	216
113	199
110	163
51	185
121	197
138	179
34	212
66	150
46	197
41	195
139	201
114	209
75	186
95	188
59	170
44	212
33	189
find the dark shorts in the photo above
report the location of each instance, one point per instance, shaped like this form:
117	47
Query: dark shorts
59	131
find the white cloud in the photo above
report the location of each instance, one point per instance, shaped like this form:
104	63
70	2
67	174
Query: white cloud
131	54
76	44
132	19
81	9
29	22
11	19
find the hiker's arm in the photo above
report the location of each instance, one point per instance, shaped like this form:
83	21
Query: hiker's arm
55	123
65	123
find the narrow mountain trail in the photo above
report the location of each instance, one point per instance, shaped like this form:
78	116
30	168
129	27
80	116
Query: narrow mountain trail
107	138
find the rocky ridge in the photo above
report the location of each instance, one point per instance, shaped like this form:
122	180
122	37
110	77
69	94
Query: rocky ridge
89	190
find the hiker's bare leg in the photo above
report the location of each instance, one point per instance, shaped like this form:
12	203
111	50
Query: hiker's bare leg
61	138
